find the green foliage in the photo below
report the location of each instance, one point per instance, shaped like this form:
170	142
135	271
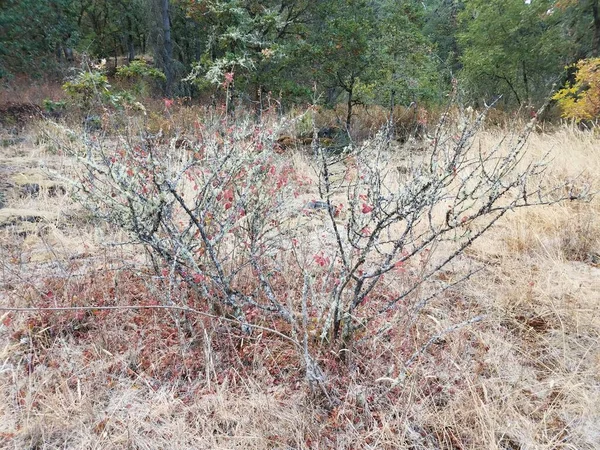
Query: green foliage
440	25
107	26
138	75
580	100
404	66
90	89
373	54
580	22
87	87
31	30
52	106
342	47
383	52
140	69
510	48
254	40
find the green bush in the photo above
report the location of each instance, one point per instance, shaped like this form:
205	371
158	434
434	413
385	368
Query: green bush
88	89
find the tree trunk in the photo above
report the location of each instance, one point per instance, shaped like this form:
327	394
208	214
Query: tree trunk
69	54
59	52
331	96
596	41
167	47
350	102
130	41
130	49
349	87
512	88
198	47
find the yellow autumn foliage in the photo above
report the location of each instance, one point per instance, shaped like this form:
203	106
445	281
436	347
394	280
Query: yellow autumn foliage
581	100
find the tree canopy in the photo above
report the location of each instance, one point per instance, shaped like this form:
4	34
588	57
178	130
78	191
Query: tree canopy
382	52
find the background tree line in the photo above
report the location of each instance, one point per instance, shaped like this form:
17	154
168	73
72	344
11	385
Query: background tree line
384	52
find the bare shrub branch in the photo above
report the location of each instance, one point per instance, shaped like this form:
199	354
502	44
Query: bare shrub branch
414	222
222	215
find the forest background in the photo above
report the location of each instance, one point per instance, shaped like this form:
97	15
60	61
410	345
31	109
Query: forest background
355	52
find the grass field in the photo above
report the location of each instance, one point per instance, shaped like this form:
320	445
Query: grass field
526	376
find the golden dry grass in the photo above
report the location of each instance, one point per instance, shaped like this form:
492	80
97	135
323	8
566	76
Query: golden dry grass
526	377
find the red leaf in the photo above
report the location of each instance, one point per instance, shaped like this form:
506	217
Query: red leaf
399	266
322	260
198	278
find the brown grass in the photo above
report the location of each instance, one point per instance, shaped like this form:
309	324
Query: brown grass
23	89
525	377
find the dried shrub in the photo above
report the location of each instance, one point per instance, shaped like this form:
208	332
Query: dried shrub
223	215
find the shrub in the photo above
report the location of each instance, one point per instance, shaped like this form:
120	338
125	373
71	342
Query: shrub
413	223
215	212
140	68
139	75
225	215
91	89
53	107
88	88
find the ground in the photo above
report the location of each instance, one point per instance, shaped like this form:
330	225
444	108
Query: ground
527	376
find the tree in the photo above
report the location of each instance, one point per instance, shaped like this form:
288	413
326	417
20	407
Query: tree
166	46
373	53
441	27
511	48
32	31
341	48
581	21
254	40
404	66
112	28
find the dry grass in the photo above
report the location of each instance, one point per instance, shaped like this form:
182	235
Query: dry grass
527	377
27	90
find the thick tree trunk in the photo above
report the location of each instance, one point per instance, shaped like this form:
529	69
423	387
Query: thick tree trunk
130	41
69	54
130	49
